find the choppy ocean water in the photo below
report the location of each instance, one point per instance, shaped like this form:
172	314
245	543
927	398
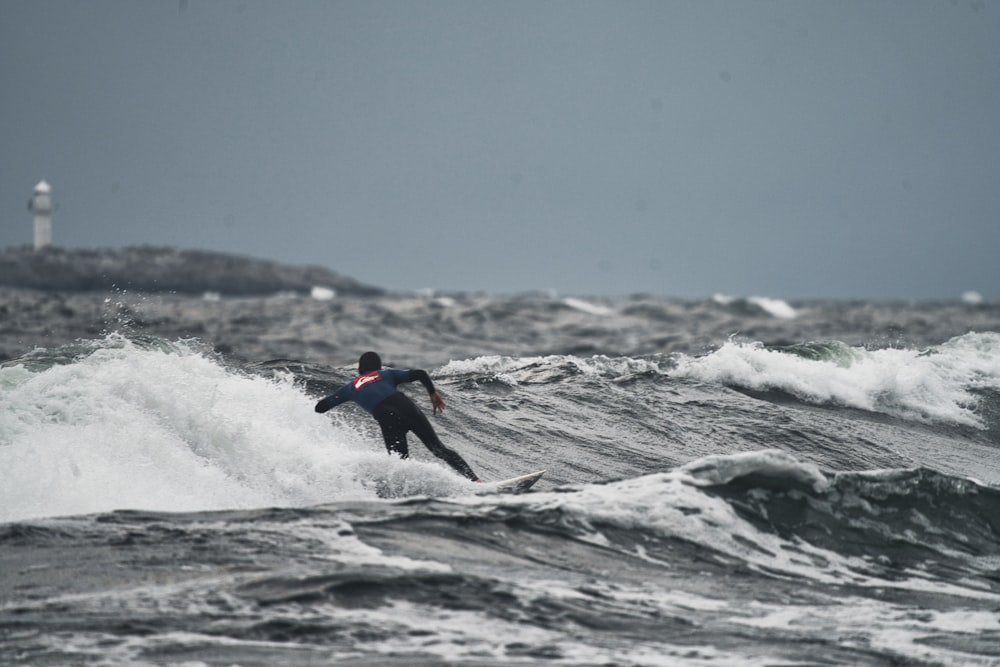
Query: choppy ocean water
729	482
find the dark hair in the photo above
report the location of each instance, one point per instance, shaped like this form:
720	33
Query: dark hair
369	361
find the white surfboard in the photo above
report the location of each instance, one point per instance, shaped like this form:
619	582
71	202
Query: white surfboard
514	484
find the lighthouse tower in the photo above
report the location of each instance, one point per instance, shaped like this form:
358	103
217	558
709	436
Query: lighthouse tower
41	206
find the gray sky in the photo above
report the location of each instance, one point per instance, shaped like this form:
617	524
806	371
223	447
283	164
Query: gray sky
786	149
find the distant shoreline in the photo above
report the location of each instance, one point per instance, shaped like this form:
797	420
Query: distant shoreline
165	269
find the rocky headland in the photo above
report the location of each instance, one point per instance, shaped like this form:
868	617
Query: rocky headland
169	270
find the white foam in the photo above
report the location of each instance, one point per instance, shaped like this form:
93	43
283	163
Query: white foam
587	307
520	369
774	463
931	386
172	430
972	298
879	625
723	299
669	504
320	293
774	307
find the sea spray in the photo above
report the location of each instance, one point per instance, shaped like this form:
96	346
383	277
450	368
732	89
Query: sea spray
170	428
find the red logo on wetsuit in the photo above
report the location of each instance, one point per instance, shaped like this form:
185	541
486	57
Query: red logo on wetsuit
361	381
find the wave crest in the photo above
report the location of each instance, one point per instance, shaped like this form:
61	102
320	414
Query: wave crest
934	385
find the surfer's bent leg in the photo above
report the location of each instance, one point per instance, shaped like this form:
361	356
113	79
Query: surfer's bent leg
449	456
422	428
394	428
397	414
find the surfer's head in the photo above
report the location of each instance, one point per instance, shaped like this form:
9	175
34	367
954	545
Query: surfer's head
369	361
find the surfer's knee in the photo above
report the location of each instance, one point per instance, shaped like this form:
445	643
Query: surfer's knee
436	447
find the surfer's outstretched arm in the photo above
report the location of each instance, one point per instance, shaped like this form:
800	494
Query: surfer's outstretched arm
331	401
421	376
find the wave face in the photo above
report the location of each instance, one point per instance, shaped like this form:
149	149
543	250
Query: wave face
781	498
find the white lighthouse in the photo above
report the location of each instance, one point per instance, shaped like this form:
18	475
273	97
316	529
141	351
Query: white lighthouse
41	206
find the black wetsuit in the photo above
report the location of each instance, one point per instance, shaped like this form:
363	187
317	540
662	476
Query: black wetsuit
395	413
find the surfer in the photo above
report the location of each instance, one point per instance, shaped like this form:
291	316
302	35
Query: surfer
374	389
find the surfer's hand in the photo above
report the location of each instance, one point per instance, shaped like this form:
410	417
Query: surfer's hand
437	402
